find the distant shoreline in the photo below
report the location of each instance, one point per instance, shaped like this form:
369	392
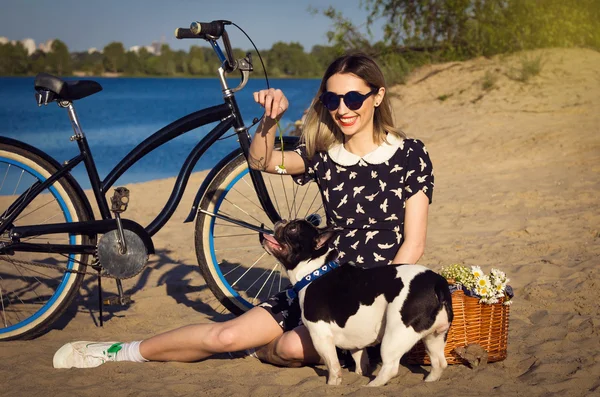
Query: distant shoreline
182	76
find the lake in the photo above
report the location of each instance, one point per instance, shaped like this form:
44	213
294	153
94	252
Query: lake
127	111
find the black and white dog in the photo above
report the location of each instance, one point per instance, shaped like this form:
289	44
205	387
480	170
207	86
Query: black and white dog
352	307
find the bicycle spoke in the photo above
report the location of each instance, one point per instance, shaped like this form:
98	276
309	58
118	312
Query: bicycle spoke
245	212
34	210
17	297
18	182
246	247
263	286
274	195
232	270
257	205
4	178
286	198
250	268
236	235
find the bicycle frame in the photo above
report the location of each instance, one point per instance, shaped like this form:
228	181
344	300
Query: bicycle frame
229	116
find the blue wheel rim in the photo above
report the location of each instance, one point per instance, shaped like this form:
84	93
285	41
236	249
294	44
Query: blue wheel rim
233	292
70	263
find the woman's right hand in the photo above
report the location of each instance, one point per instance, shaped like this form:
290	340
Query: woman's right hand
274	102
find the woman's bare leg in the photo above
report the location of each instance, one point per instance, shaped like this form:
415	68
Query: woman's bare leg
254	328
291	349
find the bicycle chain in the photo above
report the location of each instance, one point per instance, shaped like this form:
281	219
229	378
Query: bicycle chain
59	267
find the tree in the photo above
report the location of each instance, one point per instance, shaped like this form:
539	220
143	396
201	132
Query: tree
181	65
133	65
114	57
14	59
38	62
290	60
59	59
144	59
166	61
195	61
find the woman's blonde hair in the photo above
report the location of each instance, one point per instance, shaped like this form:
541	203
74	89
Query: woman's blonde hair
320	132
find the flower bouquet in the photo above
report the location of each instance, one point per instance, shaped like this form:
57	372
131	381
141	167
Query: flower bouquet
481	305
489	288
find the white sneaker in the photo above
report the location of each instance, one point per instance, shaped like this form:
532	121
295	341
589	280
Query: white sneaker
85	354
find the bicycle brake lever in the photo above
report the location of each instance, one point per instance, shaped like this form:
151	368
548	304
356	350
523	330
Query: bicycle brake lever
244	65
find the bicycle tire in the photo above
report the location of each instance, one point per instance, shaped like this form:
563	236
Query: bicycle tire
237	270
33	297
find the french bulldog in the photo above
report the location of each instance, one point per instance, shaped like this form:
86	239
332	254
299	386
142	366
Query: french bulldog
352	307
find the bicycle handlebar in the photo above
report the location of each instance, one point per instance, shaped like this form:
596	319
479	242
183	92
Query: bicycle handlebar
203	30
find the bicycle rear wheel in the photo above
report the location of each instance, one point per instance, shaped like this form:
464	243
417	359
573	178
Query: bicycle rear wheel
235	266
34	291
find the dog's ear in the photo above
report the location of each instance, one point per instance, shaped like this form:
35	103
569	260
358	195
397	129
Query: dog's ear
324	236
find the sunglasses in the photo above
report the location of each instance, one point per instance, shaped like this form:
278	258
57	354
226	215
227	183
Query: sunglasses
352	99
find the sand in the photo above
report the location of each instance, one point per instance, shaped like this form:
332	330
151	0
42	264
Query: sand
517	170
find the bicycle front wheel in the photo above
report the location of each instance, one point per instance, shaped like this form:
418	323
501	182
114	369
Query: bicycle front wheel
232	261
36	287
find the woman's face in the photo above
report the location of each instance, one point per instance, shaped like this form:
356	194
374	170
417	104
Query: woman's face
359	121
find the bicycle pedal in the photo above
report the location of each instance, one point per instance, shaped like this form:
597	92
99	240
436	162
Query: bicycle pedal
116	301
120	200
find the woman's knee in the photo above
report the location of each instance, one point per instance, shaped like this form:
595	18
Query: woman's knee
289	347
255	328
226	338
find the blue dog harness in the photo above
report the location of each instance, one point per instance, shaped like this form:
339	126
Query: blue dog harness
293	292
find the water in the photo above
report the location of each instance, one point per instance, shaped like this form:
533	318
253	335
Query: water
127	111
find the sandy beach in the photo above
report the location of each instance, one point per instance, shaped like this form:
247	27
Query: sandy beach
517	187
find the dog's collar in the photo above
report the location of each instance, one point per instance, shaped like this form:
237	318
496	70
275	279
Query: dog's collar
309	278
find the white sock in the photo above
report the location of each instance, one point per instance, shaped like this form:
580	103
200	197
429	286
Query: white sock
130	352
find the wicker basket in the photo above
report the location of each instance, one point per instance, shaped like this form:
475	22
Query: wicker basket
486	325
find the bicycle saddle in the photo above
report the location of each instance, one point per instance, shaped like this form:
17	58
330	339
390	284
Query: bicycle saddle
66	90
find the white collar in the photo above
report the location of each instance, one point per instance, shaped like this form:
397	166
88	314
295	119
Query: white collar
383	153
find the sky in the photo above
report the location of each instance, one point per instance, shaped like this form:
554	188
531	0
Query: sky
83	24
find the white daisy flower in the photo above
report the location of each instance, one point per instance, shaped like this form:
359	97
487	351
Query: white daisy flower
477	272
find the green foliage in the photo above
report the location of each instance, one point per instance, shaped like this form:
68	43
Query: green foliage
58	59
290	60
13	59
467	28
114	57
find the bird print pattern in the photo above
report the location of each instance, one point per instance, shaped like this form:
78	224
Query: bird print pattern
365	197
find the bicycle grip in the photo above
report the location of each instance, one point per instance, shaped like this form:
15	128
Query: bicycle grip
184	33
213	29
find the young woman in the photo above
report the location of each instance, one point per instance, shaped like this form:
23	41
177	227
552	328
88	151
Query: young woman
376	187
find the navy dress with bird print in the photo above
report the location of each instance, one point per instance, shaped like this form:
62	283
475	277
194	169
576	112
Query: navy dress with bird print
365	198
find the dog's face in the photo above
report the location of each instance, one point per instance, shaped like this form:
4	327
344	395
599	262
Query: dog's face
296	241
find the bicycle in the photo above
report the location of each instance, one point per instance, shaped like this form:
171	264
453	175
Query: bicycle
49	235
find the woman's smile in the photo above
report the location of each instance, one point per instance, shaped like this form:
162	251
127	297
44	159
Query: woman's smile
347	121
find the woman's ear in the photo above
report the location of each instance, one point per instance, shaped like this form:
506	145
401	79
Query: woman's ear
324	236
379	96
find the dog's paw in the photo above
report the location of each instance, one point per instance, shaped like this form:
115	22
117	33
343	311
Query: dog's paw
334	381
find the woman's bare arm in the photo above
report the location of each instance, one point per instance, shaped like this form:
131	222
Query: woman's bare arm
263	157
415	229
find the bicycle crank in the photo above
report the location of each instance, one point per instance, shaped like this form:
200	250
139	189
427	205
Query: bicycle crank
121	264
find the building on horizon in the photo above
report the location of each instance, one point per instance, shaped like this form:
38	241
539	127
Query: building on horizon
47	46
